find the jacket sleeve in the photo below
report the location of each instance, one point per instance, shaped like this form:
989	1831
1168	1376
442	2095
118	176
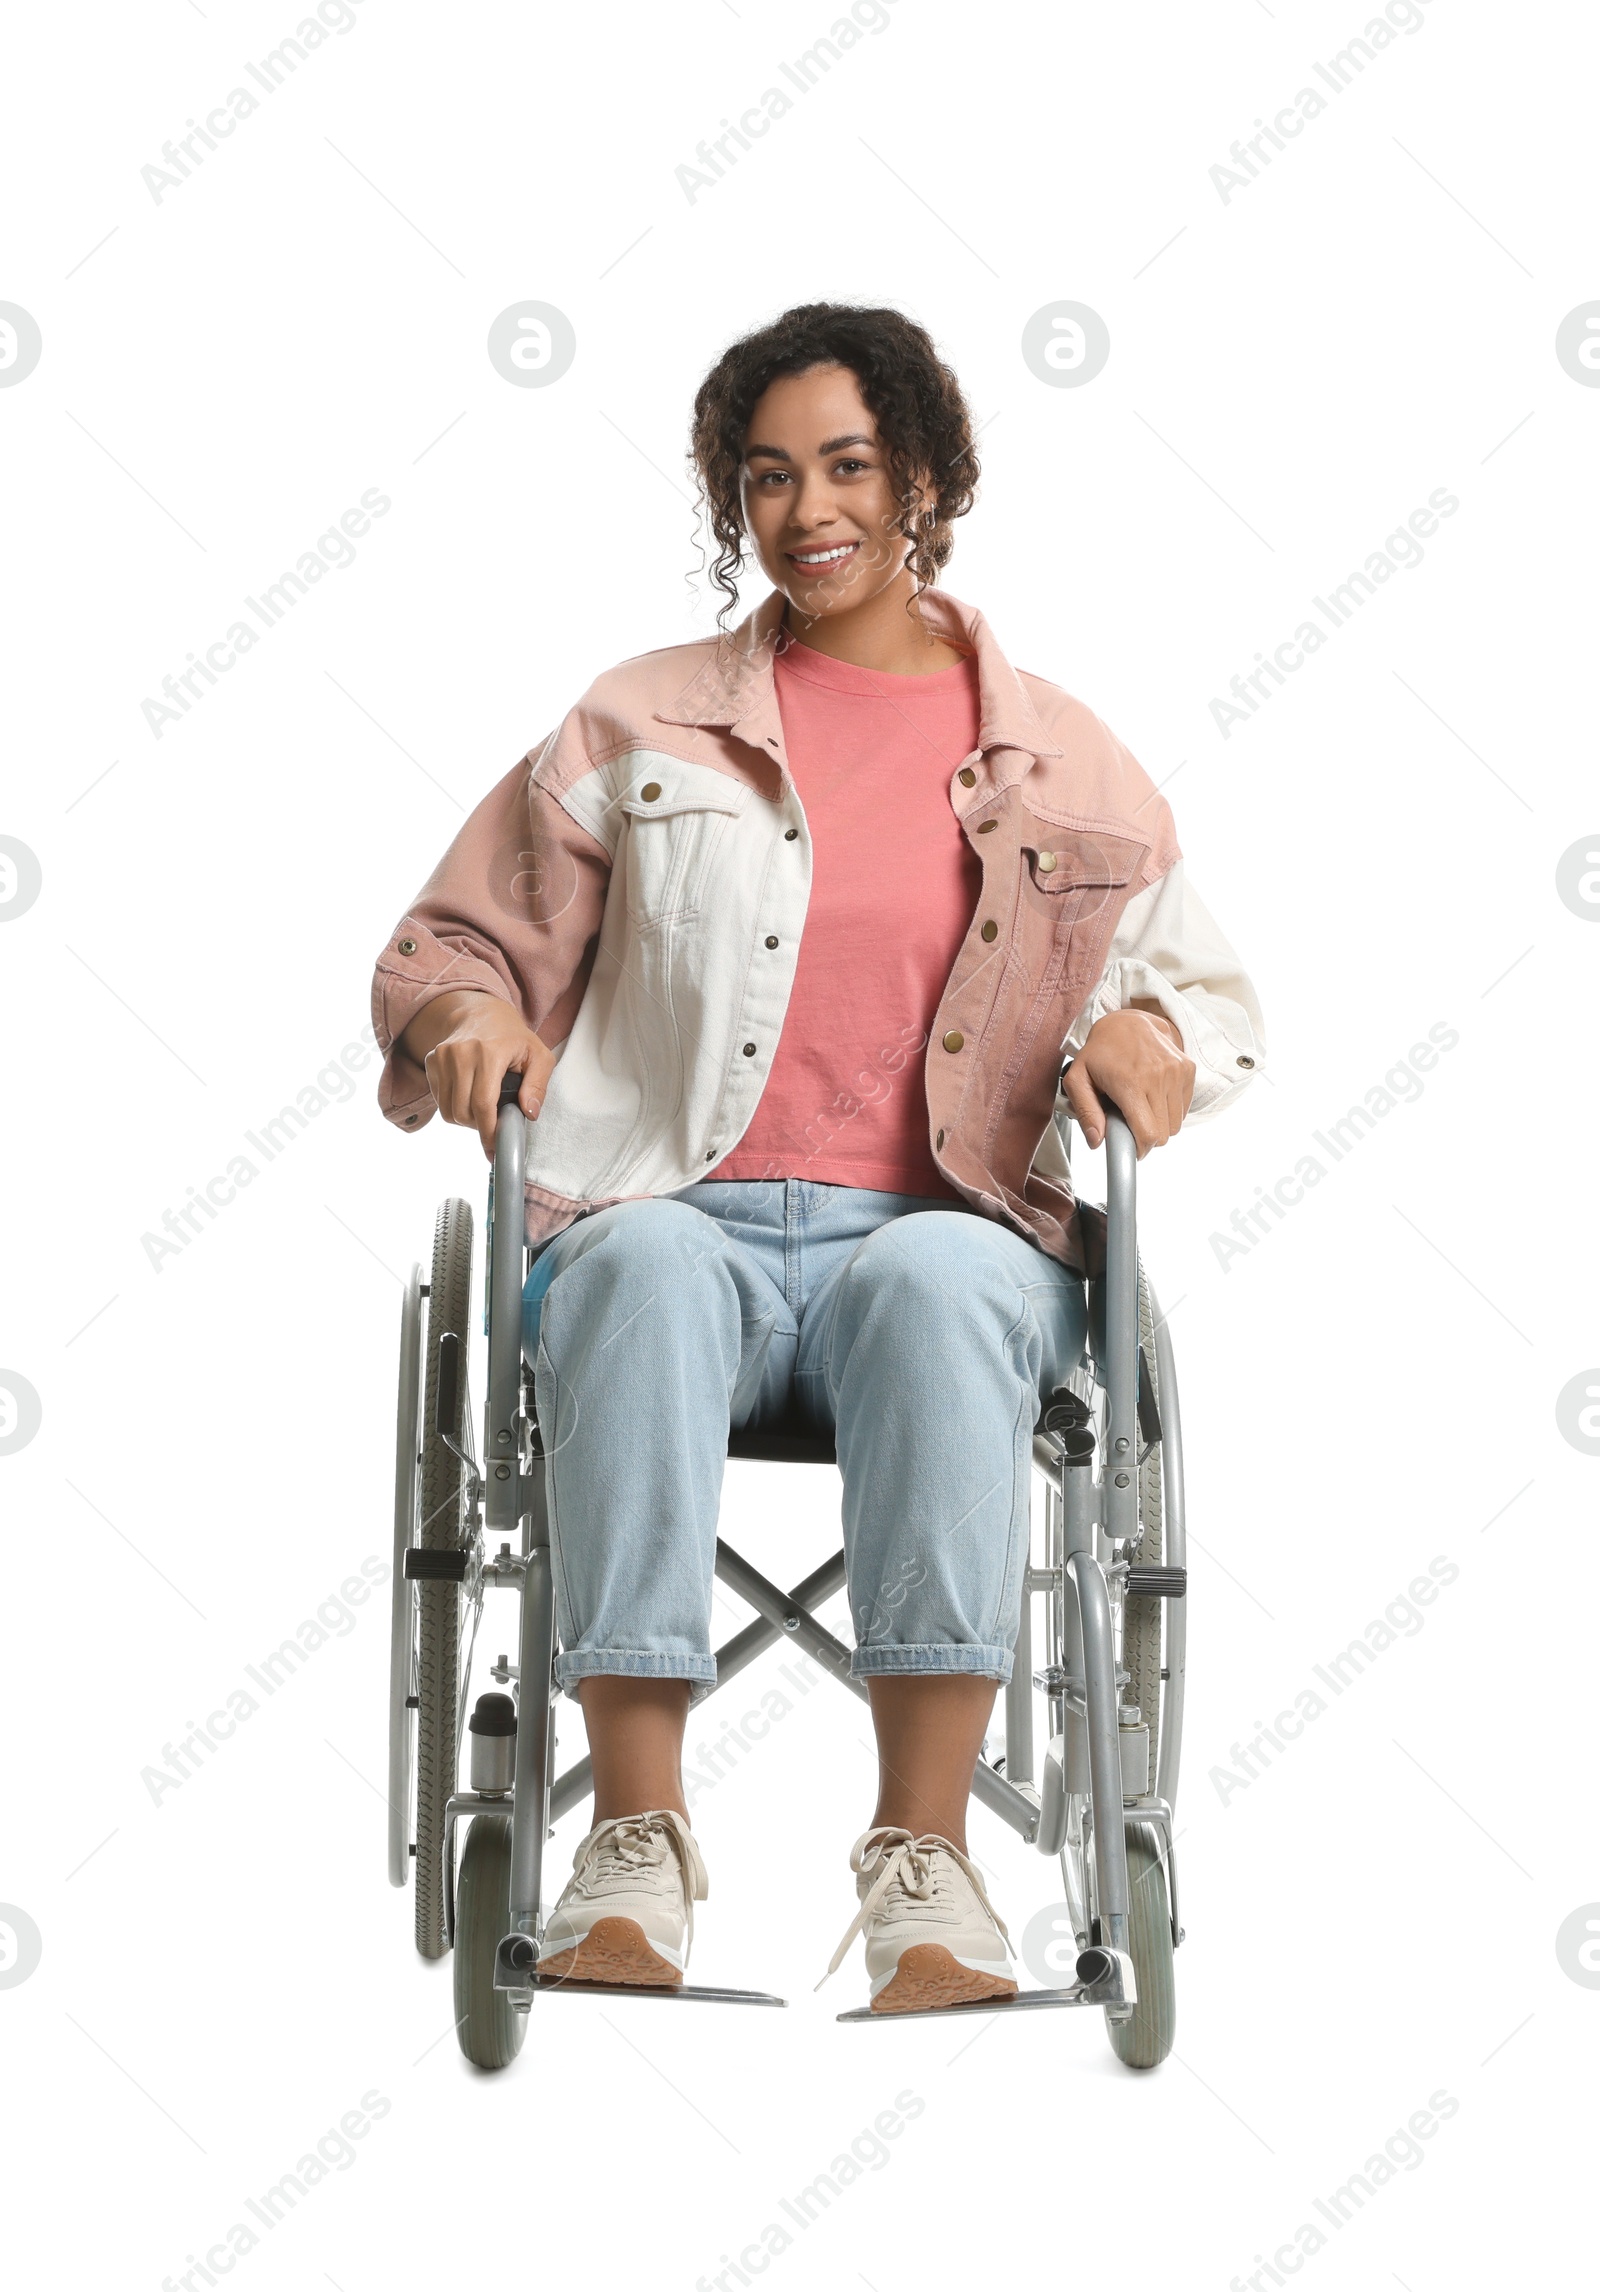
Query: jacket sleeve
513	909
1166	949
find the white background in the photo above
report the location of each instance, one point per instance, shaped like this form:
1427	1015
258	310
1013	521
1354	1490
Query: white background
1293	370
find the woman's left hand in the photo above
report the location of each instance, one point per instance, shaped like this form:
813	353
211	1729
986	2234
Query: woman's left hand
1136	1057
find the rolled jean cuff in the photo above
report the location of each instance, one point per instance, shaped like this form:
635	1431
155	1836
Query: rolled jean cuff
636	1663
943	1657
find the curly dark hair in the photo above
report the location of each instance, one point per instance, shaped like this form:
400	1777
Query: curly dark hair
914	398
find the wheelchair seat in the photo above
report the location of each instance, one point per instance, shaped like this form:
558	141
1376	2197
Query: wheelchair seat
788	1440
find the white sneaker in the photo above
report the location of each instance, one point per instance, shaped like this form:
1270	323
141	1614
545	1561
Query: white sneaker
933	1936
627	1912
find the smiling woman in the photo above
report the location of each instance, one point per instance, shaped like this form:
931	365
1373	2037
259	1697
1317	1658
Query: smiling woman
861	400
814	910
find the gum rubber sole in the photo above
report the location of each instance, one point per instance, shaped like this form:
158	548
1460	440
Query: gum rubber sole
928	1976
613	1950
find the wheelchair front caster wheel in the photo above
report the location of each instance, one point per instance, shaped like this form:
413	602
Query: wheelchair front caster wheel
488	2024
1145	2039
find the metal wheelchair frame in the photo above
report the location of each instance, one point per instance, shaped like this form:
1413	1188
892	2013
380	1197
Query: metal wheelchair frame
1092	1443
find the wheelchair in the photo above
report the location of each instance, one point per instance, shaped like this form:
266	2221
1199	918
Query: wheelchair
1111	1579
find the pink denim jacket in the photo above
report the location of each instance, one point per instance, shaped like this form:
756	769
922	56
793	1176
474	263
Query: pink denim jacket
637	886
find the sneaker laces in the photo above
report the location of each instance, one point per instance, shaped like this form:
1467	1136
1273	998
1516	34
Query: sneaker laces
618	1852
908	1867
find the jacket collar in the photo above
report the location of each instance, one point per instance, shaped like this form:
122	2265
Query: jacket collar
735	686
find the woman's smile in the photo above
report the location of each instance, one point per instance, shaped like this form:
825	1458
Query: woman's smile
822	557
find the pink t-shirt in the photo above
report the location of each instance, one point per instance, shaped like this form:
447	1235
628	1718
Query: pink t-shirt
893	888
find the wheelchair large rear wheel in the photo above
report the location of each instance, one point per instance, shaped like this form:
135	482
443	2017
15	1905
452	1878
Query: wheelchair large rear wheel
488	2025
439	1604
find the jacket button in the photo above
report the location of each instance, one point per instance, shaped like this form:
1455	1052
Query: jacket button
1047	863
939	1141
650	791
771	941
954	1039
990	931
408	947
749	1050
711	1157
967	776
987	827
789	835
1246	1062
410	1121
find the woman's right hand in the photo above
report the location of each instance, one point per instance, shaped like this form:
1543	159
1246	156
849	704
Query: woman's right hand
467	1042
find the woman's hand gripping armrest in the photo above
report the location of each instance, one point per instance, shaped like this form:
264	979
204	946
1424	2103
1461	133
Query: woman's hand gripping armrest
1137	1058
466	1042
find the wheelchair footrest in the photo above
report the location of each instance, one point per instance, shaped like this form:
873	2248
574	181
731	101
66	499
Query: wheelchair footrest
688	1993
1105	1978
1077	1995
1153	1583
516	1971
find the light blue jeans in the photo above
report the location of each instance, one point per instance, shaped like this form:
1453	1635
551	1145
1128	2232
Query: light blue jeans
923	1333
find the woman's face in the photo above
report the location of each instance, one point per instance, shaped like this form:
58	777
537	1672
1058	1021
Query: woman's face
816	494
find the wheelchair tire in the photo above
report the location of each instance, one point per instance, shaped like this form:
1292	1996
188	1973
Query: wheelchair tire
439	1605
1146	2040
1143	1619
488	2025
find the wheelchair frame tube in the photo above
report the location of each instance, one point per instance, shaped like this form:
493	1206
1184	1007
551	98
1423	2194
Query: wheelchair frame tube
530	1803
510	1499
504	1497
1105	1753
1089	1650
1122	1331
1019	1688
1176	1554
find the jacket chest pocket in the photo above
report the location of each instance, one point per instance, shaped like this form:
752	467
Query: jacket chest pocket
1074	886
672	838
